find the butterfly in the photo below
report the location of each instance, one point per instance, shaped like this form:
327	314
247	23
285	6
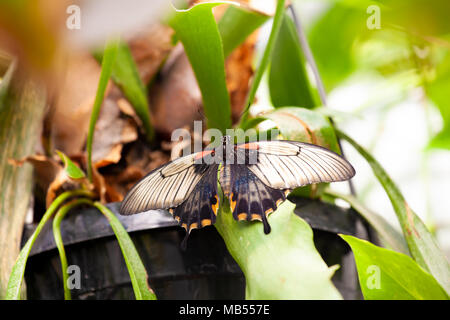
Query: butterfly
255	176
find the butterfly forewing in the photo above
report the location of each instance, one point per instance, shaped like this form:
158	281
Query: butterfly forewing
165	187
291	164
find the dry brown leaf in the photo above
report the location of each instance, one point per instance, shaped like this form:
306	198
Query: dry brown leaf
45	169
71	113
175	96
99	184
127	109
60	183
50	175
239	71
120	179
150	48
118	184
112	131
72	108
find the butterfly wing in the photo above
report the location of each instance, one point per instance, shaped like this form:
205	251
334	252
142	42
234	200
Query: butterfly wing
187	188
250	199
164	187
290	164
257	188
200	208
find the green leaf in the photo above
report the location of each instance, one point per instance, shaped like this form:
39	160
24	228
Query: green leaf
126	76
388	275
236	25
304	125
252	122
59	243
441	140
288	80
331	39
384	229
72	170
276	25
437	91
136	269
283	264
198	31
109	57
418	17
421	243
18	271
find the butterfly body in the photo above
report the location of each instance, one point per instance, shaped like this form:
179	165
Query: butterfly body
254	176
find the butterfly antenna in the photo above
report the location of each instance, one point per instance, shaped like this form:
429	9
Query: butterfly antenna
201	113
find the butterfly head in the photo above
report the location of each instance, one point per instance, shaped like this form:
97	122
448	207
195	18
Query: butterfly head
226	140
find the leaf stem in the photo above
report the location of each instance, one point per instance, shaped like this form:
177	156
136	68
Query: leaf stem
18	271
136	269
59	242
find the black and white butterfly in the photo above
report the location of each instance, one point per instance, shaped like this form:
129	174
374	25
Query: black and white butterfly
256	178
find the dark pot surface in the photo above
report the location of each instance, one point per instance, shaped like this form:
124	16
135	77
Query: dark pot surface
204	271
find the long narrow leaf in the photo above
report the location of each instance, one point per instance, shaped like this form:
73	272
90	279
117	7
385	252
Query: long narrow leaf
387	233
126	76
276	25
136	269
198	31
58	240
236	25
18	271
421	242
107	64
288	79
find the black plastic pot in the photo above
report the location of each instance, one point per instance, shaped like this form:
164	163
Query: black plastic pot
204	271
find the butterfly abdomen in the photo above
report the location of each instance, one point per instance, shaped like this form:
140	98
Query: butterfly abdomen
225	180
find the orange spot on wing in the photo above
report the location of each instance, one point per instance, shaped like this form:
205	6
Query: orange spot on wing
249	146
193	226
215	207
256	217
206	222
201	154
232	203
242	216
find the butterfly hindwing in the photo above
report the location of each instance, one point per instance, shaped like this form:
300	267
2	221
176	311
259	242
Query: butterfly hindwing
250	199
201	206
